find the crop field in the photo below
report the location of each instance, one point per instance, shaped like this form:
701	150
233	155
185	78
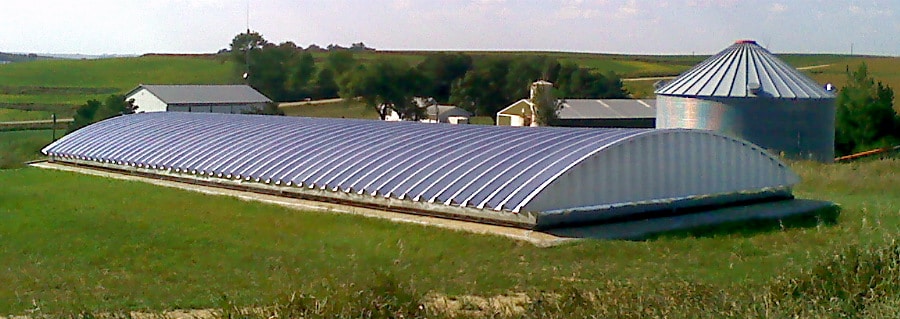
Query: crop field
116	246
12	115
72	82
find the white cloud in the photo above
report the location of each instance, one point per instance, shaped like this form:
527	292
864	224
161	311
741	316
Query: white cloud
870	11
711	3
630	8
777	8
574	12
400	4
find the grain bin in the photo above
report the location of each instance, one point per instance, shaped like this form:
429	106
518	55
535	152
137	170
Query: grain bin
746	92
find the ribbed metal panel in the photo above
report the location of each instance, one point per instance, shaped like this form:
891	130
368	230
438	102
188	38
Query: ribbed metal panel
476	170
480	166
732	72
664	166
798	128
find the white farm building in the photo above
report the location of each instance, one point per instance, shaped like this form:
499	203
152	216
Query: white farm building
197	98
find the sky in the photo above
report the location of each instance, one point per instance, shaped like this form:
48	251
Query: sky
604	26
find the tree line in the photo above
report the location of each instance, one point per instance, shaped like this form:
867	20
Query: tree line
482	85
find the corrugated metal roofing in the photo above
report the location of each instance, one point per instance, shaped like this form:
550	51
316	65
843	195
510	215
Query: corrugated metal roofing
531	177
481	166
607	109
205	94
737	70
442	109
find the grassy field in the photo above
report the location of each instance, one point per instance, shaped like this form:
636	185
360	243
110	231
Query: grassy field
17	147
118	245
11	115
75	81
343	108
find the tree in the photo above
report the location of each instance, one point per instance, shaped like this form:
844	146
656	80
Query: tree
482	89
545	104
242	46
94	111
325	84
522	72
386	85
865	117
303	72
340	62
440	70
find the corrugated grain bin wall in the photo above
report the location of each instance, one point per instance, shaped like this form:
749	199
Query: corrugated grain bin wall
746	92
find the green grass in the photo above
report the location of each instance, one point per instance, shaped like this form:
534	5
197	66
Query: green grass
11	115
69	251
17	147
75	81
343	108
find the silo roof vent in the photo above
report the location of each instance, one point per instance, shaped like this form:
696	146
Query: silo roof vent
753	87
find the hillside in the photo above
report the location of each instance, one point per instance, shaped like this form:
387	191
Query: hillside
59	85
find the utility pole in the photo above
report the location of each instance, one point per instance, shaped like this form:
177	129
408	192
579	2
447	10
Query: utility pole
53	126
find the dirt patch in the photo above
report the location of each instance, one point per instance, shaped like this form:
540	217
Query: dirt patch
478	306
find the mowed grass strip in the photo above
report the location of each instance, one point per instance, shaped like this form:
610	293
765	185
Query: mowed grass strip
74	242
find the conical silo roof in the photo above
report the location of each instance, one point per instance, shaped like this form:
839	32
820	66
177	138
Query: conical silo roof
744	69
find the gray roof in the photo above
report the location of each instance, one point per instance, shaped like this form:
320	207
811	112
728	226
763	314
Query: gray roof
343	159
204	94
608	109
444	109
735	71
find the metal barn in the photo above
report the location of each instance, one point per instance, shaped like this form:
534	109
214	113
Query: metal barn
746	92
534	178
235	99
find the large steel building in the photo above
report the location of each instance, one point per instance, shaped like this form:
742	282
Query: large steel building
746	92
534	178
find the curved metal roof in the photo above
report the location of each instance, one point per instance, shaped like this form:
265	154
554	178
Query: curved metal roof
470	165
744	69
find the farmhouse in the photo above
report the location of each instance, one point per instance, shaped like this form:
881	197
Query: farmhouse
197	98
434	113
447	114
538	178
613	113
746	92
